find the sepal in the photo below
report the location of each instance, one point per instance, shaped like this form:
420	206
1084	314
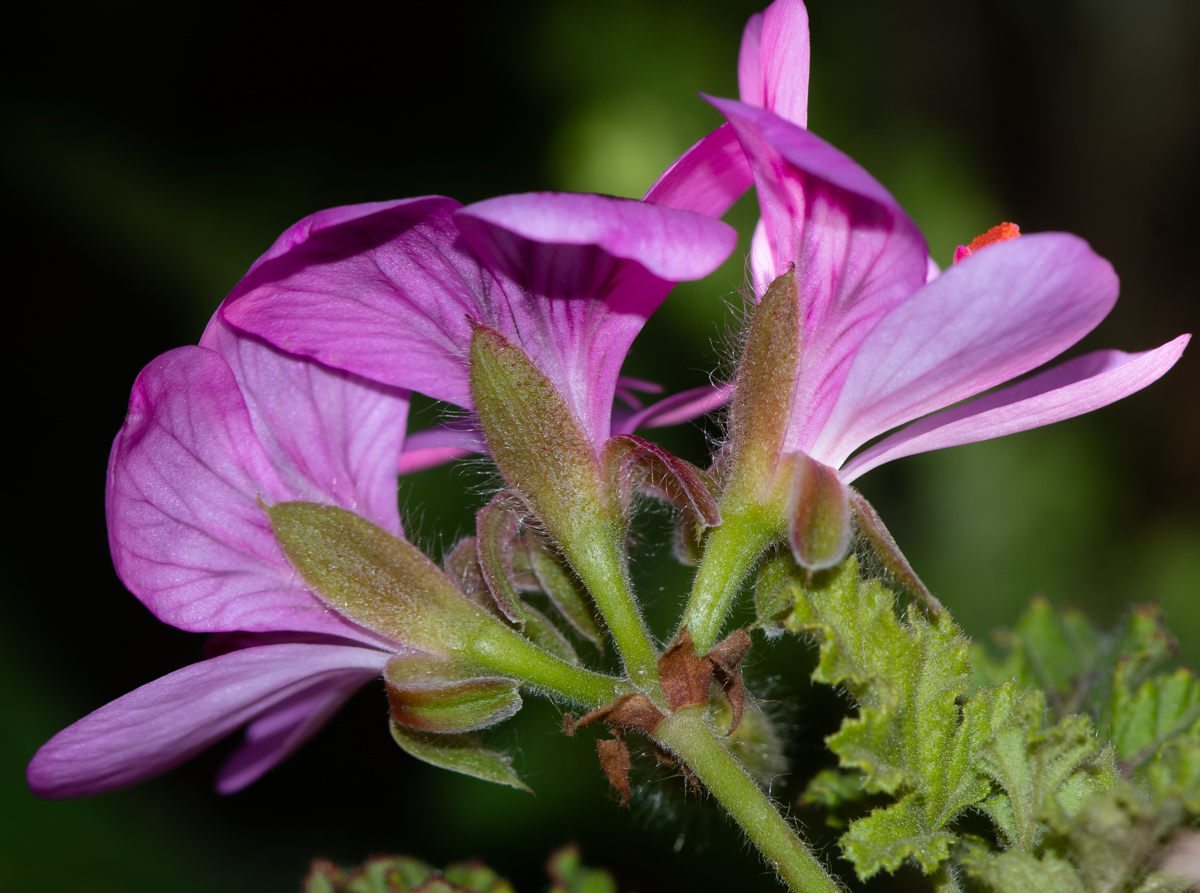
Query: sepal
374	578
870	527
496	526
818	512
458	753
534	437
633	465
431	695
561	587
761	405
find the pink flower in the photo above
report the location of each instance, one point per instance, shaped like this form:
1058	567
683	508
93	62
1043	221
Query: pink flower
213	433
886	339
884	344
389	291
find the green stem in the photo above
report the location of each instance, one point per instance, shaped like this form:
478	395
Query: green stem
729	554
595	556
689	736
508	653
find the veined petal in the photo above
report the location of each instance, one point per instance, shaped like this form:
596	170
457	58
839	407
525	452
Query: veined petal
385	294
1070	389
774	60
1006	310
580	274
332	437
280	730
708	178
188	533
165	722
855	252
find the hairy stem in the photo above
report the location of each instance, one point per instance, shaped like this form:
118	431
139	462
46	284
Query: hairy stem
508	653
730	553
597	561
688	734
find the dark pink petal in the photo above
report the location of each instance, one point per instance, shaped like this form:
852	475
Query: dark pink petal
1070	389
1005	310
280	731
856	253
158	726
385	294
332	437
673	410
188	534
773	62
579	275
708	178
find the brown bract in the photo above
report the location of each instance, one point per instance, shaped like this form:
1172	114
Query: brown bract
685	676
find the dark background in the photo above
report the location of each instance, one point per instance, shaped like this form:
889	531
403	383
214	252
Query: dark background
149	155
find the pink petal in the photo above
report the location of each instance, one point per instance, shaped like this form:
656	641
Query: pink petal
580	275
670	244
440	444
773	63
385	295
331	436
281	730
751	84
856	253
158	726
1070	389
1005	310
187	532
708	178
674	410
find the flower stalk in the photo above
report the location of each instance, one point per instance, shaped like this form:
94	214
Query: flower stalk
688	734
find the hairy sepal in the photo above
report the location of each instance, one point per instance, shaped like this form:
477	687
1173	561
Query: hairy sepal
633	465
762	398
879	540
818	513
458	753
496	526
431	695
535	439
374	578
561	587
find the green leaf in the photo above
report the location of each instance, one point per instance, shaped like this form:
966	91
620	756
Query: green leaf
402	874
891	834
1048	650
568	875
1161	708
1019	872
458	753
1037	767
910	737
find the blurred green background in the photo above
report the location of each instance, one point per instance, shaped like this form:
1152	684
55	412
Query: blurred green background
149	154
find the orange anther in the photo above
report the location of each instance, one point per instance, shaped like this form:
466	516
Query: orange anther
999	233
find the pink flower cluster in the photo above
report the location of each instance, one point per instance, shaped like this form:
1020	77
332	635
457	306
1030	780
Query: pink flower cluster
299	389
